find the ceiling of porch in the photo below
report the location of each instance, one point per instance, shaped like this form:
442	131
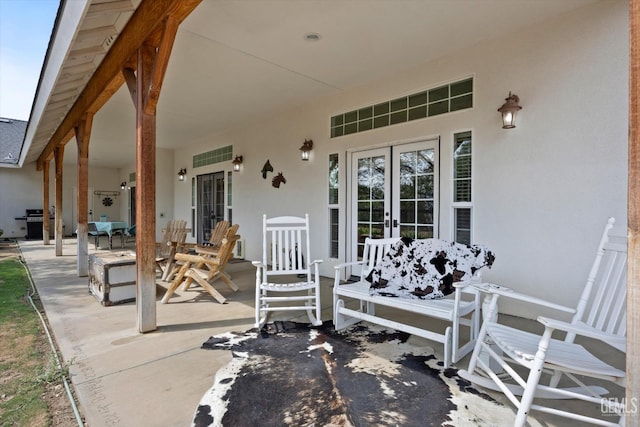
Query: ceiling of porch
233	61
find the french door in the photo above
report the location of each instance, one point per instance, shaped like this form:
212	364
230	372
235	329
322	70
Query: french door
210	207
394	193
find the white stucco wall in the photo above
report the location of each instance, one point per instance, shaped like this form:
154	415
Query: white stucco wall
541	192
22	189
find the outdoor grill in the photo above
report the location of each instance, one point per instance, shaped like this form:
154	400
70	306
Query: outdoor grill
34	219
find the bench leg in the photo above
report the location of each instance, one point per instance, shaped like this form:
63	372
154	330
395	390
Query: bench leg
447	347
341	321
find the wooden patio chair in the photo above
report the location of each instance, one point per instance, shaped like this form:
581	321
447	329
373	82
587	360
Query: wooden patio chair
173	238
502	353
210	249
205	268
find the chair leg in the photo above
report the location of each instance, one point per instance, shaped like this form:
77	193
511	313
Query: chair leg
176	282
227	280
532	381
212	291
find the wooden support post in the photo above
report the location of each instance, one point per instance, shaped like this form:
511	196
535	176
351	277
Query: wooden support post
46	219
145	197
59	158
83	134
633	221
144	85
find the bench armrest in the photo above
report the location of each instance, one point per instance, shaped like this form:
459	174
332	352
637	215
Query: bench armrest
347	264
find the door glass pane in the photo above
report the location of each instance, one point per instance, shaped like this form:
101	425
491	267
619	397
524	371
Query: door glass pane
210	204
425	187
416	192
371	196
424	232
377	178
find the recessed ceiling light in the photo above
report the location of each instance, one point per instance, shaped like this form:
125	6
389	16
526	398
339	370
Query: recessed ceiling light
312	37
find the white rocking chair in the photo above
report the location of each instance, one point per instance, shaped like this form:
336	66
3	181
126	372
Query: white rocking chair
285	261
600	315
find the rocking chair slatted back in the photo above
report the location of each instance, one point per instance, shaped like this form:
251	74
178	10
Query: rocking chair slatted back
607	307
288	244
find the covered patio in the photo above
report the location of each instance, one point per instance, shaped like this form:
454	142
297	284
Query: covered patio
160	97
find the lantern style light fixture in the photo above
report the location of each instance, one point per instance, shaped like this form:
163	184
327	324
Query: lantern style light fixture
236	163
307	146
508	111
123	185
182	174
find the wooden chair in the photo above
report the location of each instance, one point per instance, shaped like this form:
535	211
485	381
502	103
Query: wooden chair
285	245
600	314
205	268
173	238
219	232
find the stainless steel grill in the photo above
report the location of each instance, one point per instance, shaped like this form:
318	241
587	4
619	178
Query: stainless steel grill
34	219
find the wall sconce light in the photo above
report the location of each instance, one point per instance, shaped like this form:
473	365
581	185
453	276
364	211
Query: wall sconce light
236	163
307	146
123	185
181	174
509	110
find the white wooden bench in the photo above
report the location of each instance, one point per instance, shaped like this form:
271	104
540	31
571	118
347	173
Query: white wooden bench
459	308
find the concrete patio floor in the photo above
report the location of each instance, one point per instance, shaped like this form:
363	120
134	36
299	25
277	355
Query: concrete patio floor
125	378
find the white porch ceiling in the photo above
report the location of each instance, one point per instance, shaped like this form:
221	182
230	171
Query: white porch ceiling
235	60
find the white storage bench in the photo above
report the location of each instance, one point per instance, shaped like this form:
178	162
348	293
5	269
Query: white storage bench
459	308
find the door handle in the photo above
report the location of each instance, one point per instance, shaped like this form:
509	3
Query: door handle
395	223
386	223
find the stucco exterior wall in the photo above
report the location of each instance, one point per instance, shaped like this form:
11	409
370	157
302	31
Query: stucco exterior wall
541	192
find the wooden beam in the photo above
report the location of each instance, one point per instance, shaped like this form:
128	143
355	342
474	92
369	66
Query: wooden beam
633	221
46	219
59	157
161	60
83	135
147	18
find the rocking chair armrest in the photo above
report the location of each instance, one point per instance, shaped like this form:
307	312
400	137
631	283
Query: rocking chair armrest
347	264
493	289
316	262
258	264
582	330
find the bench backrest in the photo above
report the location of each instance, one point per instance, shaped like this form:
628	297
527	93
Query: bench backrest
374	250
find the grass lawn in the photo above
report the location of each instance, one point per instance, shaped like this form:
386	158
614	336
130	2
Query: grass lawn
29	371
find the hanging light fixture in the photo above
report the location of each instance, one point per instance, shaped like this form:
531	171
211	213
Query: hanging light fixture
307	146
236	163
182	174
123	185
508	111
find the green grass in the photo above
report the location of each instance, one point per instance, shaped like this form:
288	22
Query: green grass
23	356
